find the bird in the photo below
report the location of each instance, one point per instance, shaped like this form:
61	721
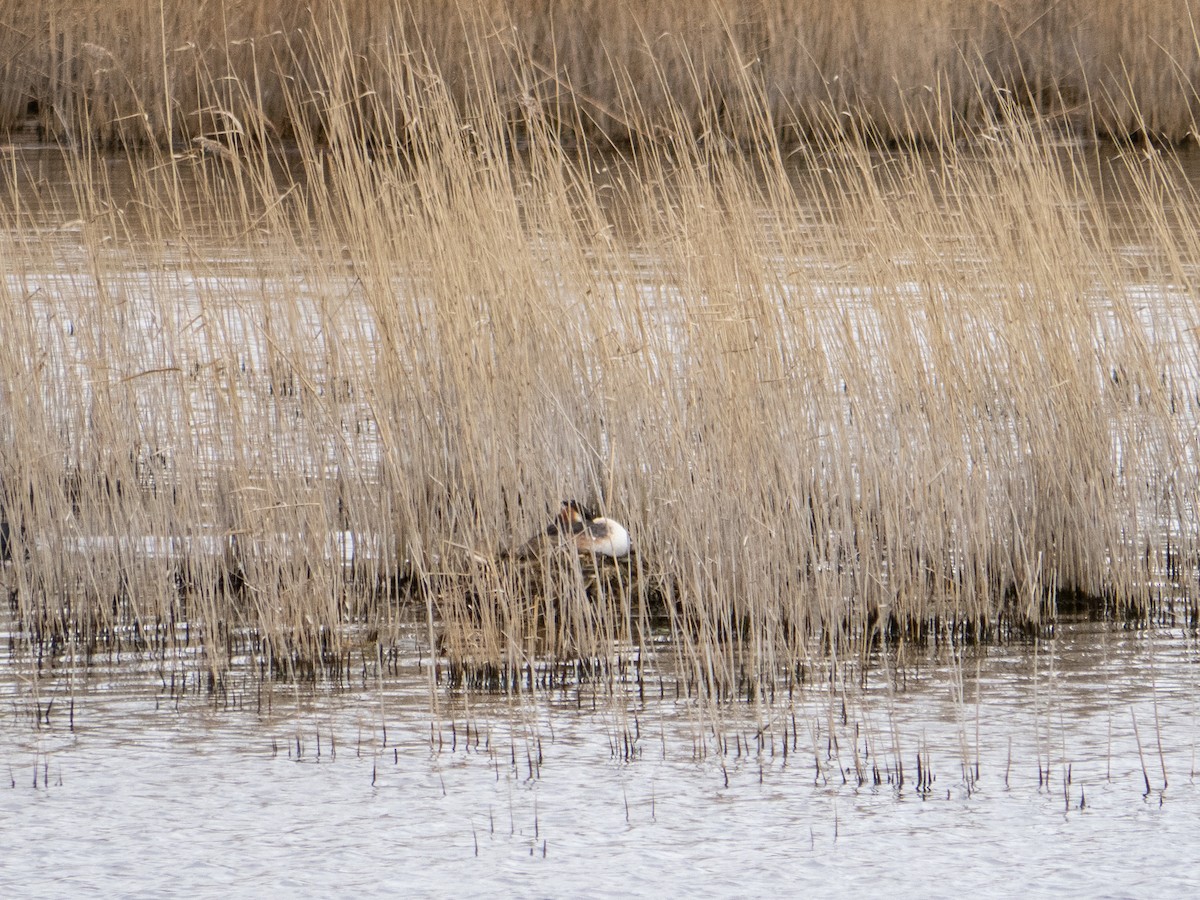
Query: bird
591	534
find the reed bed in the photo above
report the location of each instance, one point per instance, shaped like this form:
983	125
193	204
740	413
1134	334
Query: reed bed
906	69
285	399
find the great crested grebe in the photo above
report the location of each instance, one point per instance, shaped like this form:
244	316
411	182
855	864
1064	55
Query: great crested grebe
591	534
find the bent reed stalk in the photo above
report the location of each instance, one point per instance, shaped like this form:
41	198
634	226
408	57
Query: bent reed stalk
276	399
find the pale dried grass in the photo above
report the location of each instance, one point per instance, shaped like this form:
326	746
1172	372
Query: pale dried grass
849	396
222	71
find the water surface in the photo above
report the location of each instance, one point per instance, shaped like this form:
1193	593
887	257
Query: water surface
391	789
1061	766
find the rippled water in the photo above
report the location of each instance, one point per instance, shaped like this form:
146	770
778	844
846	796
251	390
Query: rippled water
1065	766
394	788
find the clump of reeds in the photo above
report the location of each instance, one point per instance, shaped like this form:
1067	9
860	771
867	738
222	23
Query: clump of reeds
600	70
273	395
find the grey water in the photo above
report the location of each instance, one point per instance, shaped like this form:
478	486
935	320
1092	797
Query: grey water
1061	766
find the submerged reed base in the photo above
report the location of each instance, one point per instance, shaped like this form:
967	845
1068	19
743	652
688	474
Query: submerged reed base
553	607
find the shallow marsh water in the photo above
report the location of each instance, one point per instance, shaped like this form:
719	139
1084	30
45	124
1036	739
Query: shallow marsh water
122	789
1065	766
